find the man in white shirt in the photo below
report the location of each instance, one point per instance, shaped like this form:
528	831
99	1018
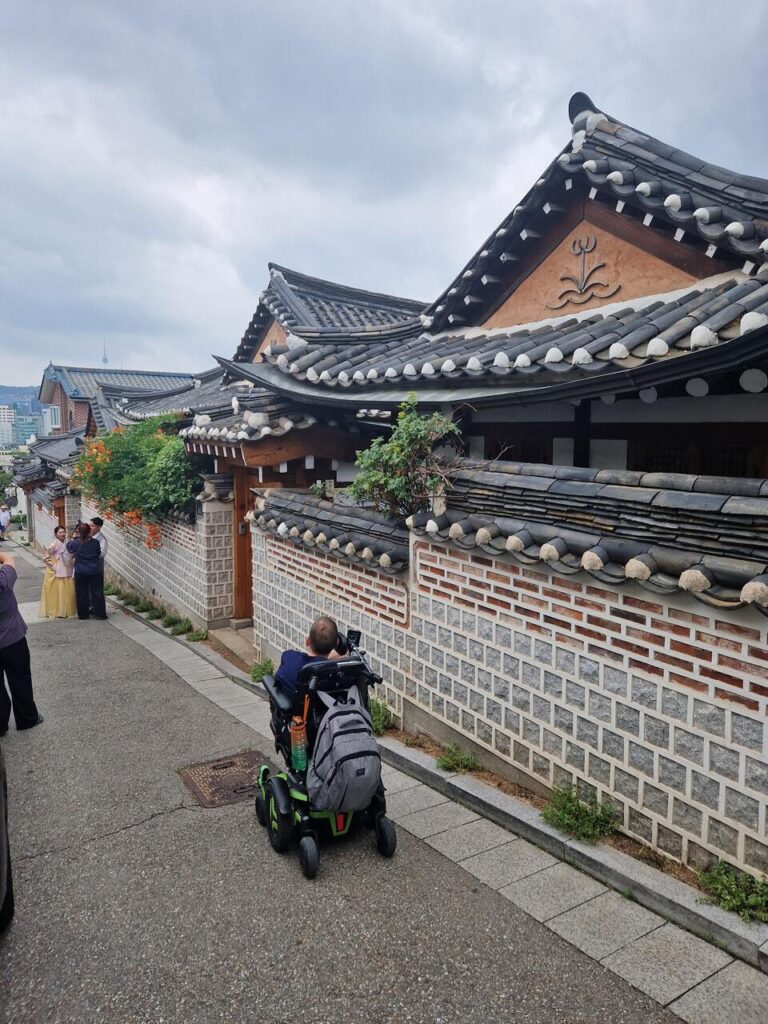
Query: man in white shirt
96	524
5	520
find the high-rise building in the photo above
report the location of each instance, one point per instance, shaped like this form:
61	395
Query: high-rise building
26	426
7	423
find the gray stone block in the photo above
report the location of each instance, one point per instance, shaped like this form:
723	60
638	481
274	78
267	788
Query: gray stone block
541	709
669	842
561	777
501	687
541	766
503	636
522	643
493	658
415	798
705	790
521	754
723	836
467	722
756	775
689	746
600	706
599	770
675	704
655	800
531	675
626	784
512	721
553	684
644	692
747	732
552	892
742	808
483	731
505	864
484	680
737	993
756	855
532	732
477	701
589	670
542	651
485	629
565	661
587	732
709	718
656	732
564	720
613	745
666	962
604	925
615	681
460	644
575	695
521	698
493	711
640	824
672	774
628	719
642	758
574	756
511	666
687	817
552	743
502	743
724	760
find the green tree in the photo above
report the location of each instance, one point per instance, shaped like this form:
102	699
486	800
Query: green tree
402	474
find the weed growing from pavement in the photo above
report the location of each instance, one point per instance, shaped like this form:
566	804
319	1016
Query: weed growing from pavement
454	759
586	821
183	626
381	716
131	600
262	668
196	635
734	890
144	606
155	612
171	619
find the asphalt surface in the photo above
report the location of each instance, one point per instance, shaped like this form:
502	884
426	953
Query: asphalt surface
135	905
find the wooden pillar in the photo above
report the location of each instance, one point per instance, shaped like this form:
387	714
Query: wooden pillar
242	552
581	435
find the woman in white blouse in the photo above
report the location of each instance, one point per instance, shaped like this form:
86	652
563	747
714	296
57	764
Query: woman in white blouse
57	600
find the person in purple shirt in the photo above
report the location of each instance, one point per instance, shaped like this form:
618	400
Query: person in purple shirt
15	670
321	645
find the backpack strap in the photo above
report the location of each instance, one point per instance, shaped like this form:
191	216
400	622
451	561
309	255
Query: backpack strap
326	698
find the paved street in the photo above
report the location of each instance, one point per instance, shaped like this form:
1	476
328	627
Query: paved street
134	904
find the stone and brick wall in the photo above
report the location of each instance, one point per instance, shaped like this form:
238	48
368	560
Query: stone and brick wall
658	703
44	525
192	569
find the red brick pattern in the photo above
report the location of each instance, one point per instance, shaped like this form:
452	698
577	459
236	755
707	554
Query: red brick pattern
361	588
684	644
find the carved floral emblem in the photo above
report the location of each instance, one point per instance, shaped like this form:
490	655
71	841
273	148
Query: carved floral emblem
580	289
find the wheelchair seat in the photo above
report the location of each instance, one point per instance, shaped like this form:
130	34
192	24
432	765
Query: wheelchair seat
330	676
282	700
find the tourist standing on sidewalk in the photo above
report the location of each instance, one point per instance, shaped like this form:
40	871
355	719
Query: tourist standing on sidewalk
96	524
89	574
57	600
15	669
5	520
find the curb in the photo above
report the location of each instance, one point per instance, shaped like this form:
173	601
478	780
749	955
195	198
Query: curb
664	895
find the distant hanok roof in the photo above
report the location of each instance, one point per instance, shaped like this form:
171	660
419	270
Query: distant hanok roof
313	308
81	382
713	221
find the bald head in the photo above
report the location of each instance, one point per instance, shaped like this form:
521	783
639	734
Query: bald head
323	635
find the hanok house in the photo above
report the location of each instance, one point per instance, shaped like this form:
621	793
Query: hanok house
44	474
73	390
589	607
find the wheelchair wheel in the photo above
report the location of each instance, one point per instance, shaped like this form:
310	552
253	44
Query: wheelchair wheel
309	856
261	809
279	826
386	837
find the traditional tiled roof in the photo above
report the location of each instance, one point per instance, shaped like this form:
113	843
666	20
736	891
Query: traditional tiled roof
339	528
59	448
50	493
259	415
707	536
81	382
313	308
654	333
710	209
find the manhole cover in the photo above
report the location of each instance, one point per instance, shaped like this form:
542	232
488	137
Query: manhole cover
227	780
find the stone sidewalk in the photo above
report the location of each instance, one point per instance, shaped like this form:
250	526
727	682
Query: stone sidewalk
695	979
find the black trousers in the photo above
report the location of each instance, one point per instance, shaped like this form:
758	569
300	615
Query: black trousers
89	593
16	674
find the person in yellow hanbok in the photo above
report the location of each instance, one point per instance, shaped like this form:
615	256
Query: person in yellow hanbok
57	600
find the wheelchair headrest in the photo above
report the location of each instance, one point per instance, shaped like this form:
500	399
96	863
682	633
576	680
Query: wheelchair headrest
332	675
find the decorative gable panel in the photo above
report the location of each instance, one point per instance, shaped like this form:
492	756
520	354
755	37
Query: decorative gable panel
589	268
275	334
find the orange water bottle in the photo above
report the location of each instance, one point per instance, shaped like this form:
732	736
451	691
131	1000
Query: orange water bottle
298	730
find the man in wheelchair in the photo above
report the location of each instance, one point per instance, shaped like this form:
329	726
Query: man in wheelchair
323	643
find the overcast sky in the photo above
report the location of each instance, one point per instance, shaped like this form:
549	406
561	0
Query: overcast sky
154	156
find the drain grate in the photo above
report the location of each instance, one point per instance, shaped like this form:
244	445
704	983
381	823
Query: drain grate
228	780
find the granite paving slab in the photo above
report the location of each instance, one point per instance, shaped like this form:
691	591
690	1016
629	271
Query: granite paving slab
605	924
415	799
468	840
395	781
667	962
433	820
736	995
505	864
553	891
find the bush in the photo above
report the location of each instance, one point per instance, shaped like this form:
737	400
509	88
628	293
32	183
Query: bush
170	619
381	716
453	759
402	475
144	606
110	590
196	635
155	613
138	474
261	669
734	890
586	821
183	626
131	600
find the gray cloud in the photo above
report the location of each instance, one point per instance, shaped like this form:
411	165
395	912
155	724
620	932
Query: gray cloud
154	157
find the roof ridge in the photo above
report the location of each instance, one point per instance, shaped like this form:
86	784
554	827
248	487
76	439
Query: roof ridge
297	278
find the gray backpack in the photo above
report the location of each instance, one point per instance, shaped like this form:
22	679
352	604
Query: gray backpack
345	769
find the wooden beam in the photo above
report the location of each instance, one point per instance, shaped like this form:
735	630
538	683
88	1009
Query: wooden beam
296	444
